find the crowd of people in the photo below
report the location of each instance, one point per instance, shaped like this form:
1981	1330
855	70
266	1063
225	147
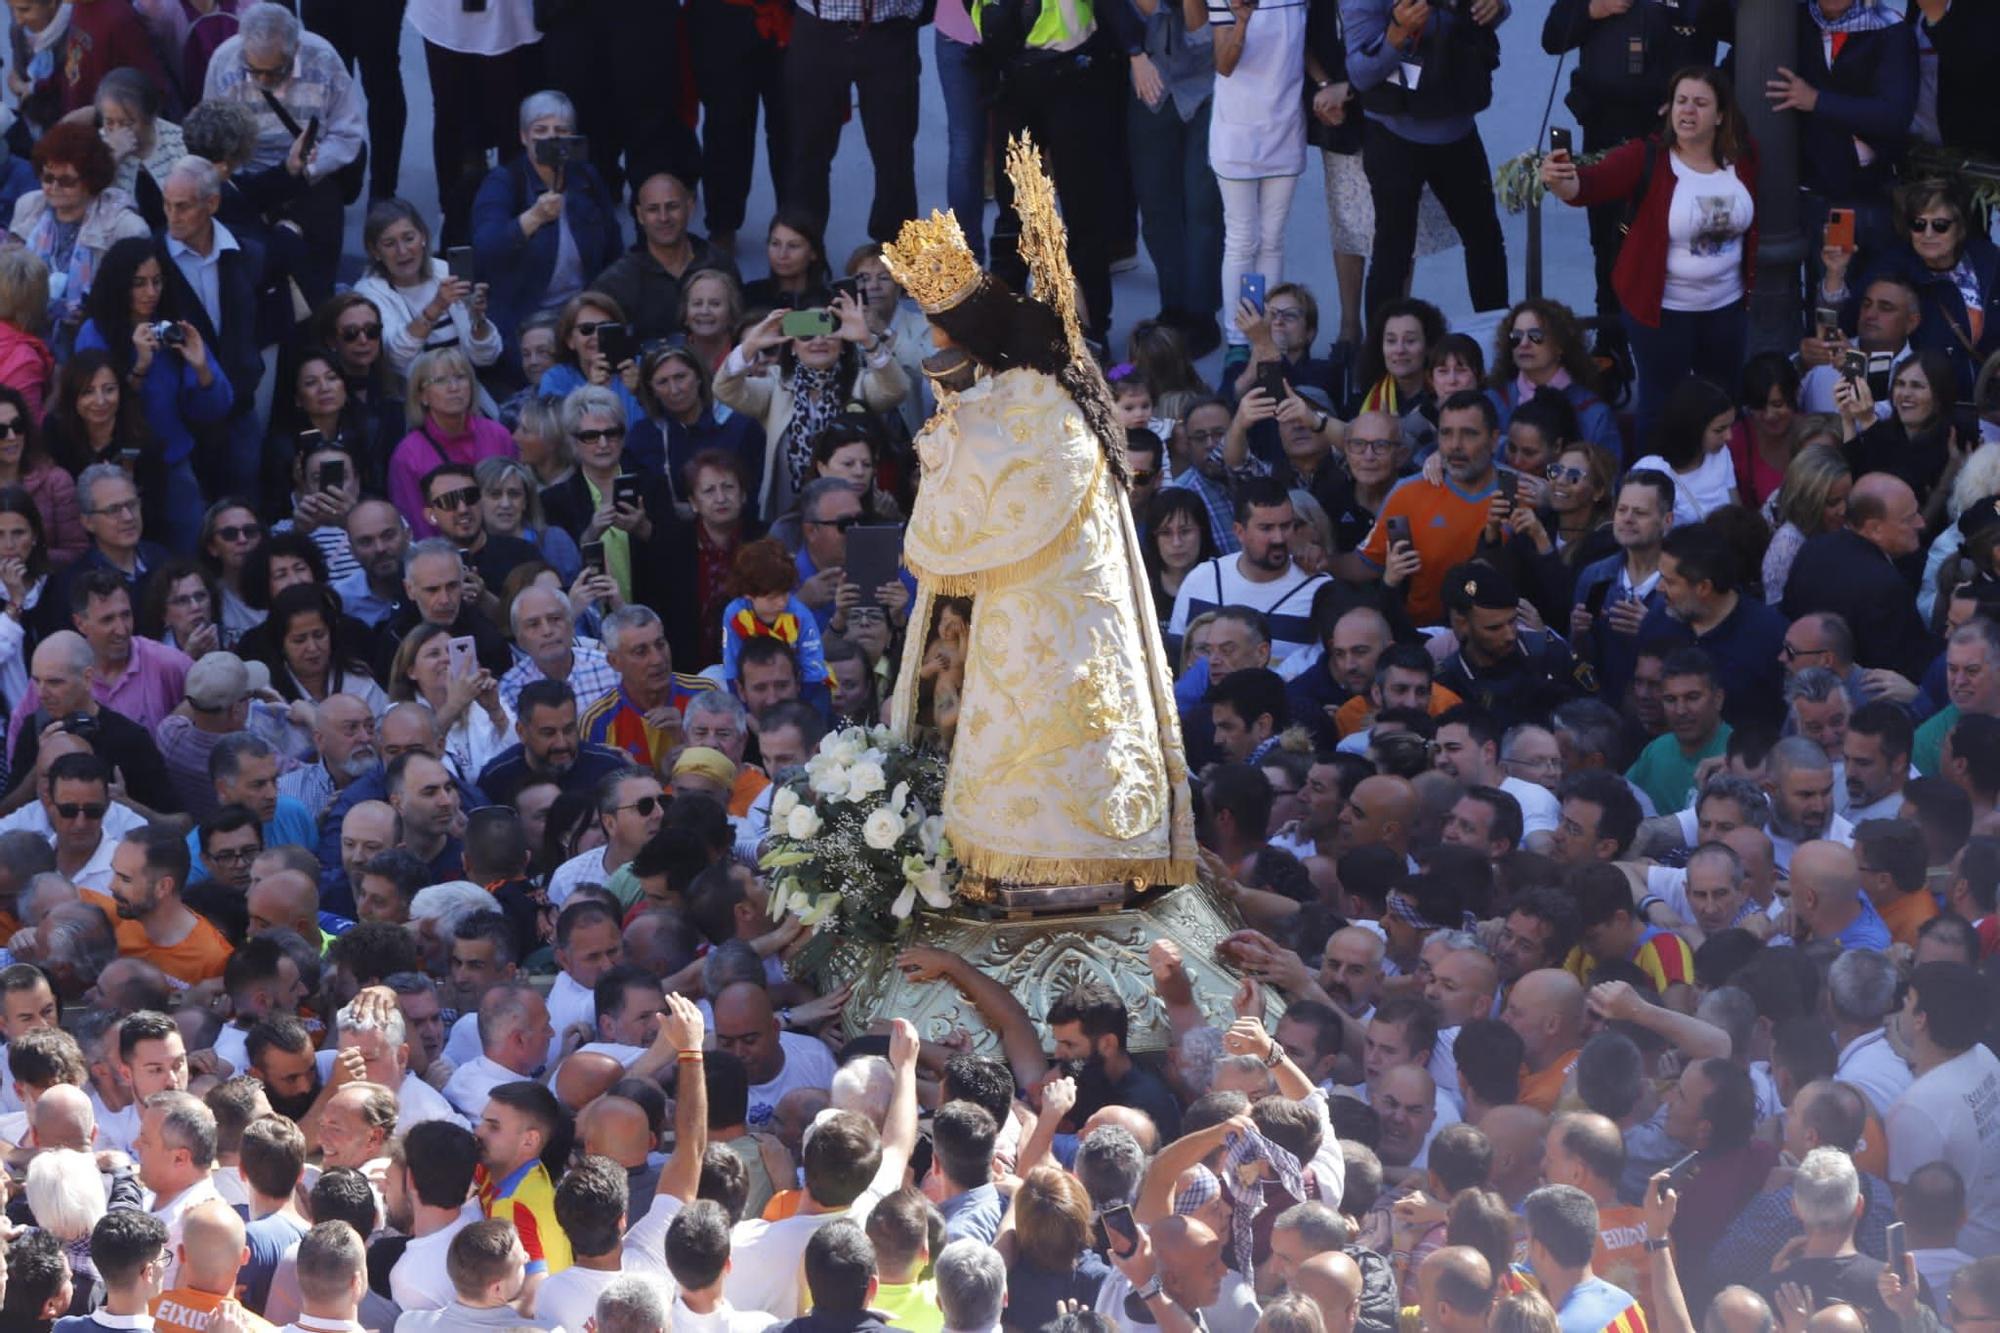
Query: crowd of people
401	653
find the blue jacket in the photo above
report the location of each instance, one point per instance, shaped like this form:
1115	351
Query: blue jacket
1593	414
1945	325
517	268
1614	656
1869	93
174	398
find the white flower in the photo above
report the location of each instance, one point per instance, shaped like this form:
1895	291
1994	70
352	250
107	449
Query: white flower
821	909
905	901
883	829
803	823
883	737
865	779
899	800
781	897
833	784
930	835
930	885
783	804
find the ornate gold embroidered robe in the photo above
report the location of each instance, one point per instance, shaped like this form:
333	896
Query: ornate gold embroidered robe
1067	766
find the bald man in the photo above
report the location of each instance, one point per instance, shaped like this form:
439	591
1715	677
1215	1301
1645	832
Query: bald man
287	900
1850	571
1128	1118
616	1127
64	1118
1331	1281
63	682
1827	898
210	1253
1455	1290
1588	1151
584	1077
1187	1255
1381	808
777	1062
1738	1310
1518	1135
1405	1097
1545	1009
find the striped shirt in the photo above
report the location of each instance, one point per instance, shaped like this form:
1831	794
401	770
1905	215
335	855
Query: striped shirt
617	723
527	1198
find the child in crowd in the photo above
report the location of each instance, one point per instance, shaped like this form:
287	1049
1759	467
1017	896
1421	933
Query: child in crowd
762	583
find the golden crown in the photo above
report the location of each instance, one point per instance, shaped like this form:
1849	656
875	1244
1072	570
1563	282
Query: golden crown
931	261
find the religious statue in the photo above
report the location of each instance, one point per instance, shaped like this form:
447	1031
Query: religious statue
1035	654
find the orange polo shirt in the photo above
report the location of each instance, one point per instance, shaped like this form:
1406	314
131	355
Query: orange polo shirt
1541	1090
750	784
1352	716
197	957
1906	915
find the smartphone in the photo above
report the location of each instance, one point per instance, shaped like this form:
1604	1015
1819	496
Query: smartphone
625	489
561	150
848	287
616	344
1271	379
1559	140
458	260
464	655
1399	529
312	136
1898	1244
1594	603
1635	57
1840	229
1679	1172
593	556
1510	486
333	474
1827	320
1251	288
1121	1230
1854	365
874	556
807	324
128	459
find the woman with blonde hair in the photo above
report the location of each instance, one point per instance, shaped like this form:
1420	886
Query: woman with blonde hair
1812	500
26	364
1292	1313
470	716
511	504
446	426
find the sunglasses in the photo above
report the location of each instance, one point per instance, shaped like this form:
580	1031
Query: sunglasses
355	333
9	429
1936	226
1515	337
89	810
844	522
1560	472
61	182
464	498
248	532
595	434
646	805
589	327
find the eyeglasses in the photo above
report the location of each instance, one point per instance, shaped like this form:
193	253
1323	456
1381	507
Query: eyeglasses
248	532
9	429
186	599
1515	337
1936	226
1366	446
274	74
89	810
355	333
463	498
589	327
1546	764
234	855
844	522
1281	314
1793	654
596	434
1215	436
645	805
118	509
1564	472
69	182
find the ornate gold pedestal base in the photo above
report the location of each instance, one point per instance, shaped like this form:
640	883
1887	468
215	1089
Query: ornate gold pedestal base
1041	957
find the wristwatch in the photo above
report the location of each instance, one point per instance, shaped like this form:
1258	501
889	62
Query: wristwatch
1150	1290
1657	1243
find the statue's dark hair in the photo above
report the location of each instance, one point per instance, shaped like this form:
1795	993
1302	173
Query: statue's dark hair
1003	331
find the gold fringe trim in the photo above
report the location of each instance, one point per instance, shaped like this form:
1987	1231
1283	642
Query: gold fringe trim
1027	568
1015	869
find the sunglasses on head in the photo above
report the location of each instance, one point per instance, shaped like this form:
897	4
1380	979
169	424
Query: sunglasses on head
595	434
355	333
89	810
247	532
1937	226
1515	337
463	498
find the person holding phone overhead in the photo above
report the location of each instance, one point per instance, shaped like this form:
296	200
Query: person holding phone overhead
424	304
1690	250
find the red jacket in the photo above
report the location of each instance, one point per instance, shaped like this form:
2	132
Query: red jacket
1640	275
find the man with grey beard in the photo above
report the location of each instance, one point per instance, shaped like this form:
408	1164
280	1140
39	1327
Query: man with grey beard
344	735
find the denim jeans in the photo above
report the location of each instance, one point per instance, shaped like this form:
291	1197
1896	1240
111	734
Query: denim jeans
1180	206
967	108
1708	343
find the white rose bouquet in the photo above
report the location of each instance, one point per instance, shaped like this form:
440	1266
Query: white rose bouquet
857	842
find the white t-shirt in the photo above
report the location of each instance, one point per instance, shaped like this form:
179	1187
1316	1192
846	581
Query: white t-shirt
1285	601
570	1001
492	30
419	1281
1706	221
172	1212
583	868
1540	810
1872	1065
1701	492
1257	122
808	1064
767	1259
1952	1114
472	1082
569	1299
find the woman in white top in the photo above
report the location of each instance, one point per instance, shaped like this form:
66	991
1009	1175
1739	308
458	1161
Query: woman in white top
1689	253
1691	445
1256	133
423	306
471	718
